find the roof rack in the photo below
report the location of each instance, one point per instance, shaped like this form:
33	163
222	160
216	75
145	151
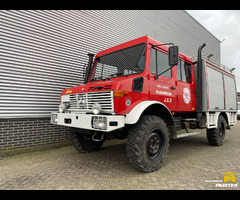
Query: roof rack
214	62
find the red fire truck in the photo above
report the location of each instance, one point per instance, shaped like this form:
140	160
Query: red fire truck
149	93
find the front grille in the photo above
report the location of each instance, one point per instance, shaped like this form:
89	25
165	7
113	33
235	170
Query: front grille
85	101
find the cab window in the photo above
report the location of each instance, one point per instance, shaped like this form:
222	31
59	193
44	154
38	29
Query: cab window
184	72
159	63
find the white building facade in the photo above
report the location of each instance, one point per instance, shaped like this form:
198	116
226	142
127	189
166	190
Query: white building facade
44	51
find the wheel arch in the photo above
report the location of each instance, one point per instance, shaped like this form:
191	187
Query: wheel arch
215	117
225	116
152	108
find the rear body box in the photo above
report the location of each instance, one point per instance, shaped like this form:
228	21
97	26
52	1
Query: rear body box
218	88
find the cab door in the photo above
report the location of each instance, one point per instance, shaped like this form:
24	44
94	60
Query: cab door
162	89
185	88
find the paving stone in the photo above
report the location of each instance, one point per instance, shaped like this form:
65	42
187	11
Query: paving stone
191	161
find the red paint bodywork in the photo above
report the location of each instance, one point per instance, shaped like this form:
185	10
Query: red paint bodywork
162	84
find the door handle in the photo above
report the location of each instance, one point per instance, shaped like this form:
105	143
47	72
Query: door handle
173	88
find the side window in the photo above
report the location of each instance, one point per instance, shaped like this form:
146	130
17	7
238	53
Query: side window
162	63
188	74
179	74
159	63
184	72
153	61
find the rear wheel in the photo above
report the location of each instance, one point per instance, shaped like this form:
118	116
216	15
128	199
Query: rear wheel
148	143
216	136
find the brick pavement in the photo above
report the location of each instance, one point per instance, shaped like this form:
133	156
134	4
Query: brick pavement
191	161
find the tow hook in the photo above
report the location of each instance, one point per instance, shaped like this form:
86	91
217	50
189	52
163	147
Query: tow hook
98	136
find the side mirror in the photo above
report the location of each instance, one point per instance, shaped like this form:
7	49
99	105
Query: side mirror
173	55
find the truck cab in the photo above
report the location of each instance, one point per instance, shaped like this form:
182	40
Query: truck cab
141	90
122	77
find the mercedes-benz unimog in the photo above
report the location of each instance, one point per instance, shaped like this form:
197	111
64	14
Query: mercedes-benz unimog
149	93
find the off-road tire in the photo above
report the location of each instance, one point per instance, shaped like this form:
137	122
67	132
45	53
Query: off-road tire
83	142
216	136
148	143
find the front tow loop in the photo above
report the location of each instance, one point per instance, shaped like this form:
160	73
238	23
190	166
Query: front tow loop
98	136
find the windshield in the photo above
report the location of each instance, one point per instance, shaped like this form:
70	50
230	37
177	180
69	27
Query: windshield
124	62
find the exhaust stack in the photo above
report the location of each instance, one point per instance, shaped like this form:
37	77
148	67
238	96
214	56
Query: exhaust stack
200	73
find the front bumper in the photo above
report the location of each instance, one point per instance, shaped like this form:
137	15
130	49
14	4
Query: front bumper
104	123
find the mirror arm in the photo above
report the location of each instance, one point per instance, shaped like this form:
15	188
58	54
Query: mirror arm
156	77
172	63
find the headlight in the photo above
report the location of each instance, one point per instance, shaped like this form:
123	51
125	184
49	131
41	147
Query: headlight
54	118
62	107
99	122
96	108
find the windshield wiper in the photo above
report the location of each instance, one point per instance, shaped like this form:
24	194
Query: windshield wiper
117	75
108	77
96	78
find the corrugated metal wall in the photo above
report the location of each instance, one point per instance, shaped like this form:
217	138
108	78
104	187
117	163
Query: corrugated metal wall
43	52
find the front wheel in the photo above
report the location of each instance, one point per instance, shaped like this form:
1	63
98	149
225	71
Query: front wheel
216	136
148	143
82	141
